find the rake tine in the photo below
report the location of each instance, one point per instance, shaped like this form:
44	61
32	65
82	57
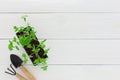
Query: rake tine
8	73
13	72
10	70
13	69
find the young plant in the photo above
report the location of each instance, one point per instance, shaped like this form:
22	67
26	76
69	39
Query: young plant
35	50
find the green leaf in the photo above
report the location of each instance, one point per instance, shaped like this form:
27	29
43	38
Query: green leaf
21	39
21	29
42	45
24	55
17	47
25	58
46	51
15	28
25	61
24	40
29	46
27	28
31	56
18	43
33	50
43	60
14	39
32	34
43	41
27	40
24	17
10	46
36	53
36	61
44	67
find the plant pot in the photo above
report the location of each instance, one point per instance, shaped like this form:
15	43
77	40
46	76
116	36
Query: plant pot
33	42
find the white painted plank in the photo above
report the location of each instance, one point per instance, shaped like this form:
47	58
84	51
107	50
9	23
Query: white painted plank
59	6
65	25
56	72
74	52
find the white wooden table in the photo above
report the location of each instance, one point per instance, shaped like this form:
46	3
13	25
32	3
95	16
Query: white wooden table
84	37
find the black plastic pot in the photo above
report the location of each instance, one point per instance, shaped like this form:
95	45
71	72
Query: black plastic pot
29	50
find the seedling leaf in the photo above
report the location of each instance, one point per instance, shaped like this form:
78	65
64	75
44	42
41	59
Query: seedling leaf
17	47
16	28
36	61
18	43
43	41
44	68
46	51
24	55
31	56
24	17
14	39
10	46
25	58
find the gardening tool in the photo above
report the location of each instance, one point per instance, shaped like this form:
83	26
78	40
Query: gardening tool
17	62
13	72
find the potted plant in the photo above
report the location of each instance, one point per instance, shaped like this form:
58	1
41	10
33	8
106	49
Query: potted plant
26	37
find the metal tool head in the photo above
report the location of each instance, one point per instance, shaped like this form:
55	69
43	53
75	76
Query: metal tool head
16	61
11	70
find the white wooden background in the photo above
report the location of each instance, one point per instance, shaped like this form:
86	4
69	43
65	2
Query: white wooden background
84	37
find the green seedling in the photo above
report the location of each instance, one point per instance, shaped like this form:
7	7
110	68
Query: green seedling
27	34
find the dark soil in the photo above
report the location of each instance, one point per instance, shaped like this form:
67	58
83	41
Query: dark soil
29	50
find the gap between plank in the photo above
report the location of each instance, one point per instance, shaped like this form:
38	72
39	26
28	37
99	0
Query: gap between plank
81	64
56	12
70	39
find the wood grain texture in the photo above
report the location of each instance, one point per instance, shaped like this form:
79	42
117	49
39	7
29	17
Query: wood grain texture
72	72
59	6
84	37
74	52
65	25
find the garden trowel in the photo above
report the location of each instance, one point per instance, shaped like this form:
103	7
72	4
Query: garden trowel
17	62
